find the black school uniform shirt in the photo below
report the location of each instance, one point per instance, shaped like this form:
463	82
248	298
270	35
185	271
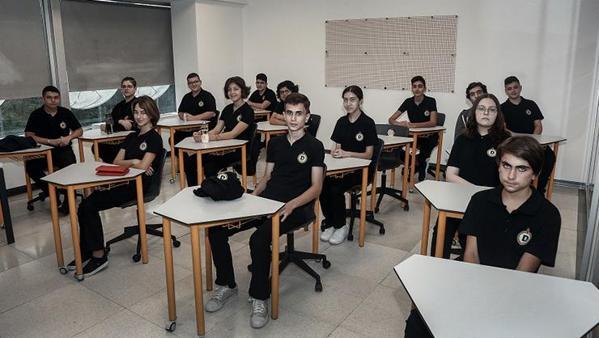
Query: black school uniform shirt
502	238
475	157
120	112
136	146
231	117
419	112
279	107
356	136
52	127
268	95
201	103
521	118
292	172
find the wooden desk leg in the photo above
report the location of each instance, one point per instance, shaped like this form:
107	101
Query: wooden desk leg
81	155
426	222
439	152
275	267
200	167
173	155
182	169
404	179
373	192
208	254
316	227
392	178
414	149
363	207
244	173
552	176
56	228
266	139
75	233
28	185
96	151
168	266
197	278
49	161
440	234
141	215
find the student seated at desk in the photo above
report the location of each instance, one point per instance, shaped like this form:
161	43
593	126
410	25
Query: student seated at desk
55	126
294	174
512	226
354	136
422	113
232	123
283	90
263	98
141	150
524	116
472	159
198	104
122	118
473	91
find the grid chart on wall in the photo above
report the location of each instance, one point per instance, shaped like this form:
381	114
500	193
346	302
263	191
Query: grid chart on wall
385	53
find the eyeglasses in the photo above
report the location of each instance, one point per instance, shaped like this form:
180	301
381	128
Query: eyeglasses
475	93
483	109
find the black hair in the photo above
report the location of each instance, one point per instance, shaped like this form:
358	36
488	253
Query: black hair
355	90
192	75
289	85
297	98
510	79
524	147
51	89
497	132
240	82
418	78
262	76
130	79
473	85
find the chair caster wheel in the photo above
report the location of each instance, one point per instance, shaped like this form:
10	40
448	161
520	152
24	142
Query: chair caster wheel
250	267
79	278
318	286
350	237
382	231
326	264
136	258
172	180
107	250
376	210
30	207
171	326
63	270
176	243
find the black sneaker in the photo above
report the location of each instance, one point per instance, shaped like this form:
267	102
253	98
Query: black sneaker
63	208
94	266
72	267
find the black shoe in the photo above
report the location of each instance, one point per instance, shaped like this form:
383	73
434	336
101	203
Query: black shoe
63	208
94	266
72	267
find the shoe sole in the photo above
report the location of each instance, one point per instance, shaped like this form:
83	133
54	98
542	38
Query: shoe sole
98	269
223	305
74	267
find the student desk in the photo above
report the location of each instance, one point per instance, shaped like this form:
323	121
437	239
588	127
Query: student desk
491	302
189	145
451	200
419	132
391	143
342	166
553	142
96	136
83	176
172	124
28	154
202	213
267	129
261	113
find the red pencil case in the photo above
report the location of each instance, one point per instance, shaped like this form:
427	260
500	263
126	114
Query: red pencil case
111	170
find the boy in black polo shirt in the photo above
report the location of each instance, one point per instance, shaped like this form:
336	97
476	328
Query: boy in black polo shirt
263	98
294	174
524	116
473	91
198	104
422	112
55	126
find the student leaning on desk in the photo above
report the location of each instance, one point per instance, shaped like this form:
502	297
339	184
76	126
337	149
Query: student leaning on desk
141	149
283	90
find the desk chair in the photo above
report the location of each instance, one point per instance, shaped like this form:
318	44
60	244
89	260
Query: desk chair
253	152
390	160
356	191
150	194
431	167
313	124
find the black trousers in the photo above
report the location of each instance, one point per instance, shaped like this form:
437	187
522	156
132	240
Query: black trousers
36	169
212	165
91	234
332	198
416	327
180	135
546	169
108	151
451	226
260	242
426	146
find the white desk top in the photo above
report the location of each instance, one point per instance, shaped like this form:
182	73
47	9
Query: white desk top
189	143
175	121
543	139
446	196
261	111
460	299
41	147
85	172
346	163
421	130
188	209
395	140
97	134
266	126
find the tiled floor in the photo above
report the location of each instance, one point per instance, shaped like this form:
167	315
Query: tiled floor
361	296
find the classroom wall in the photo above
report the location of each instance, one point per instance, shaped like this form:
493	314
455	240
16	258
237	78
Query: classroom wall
534	40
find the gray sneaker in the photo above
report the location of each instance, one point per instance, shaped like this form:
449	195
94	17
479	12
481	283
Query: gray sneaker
219	298
259	316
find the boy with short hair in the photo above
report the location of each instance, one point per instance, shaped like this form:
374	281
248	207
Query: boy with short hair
473	91
198	104
263	98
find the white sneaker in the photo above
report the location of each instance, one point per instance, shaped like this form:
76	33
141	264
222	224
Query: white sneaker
259	316
219	298
326	234
339	235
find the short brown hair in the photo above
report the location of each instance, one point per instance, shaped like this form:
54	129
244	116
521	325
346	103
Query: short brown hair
524	147
240	82
149	106
297	98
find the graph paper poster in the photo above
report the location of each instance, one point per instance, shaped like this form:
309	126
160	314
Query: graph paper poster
385	53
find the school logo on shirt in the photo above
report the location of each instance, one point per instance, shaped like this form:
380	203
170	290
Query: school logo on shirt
238	118
528	112
143	146
263	97
390	132
222	176
359	137
201	104
524	237
302	158
427	113
63	125
491	152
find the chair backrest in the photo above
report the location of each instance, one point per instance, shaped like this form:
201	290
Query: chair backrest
440	119
253	147
376	156
392	130
313	124
153	189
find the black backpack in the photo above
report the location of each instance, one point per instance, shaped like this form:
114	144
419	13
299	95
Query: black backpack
14	143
